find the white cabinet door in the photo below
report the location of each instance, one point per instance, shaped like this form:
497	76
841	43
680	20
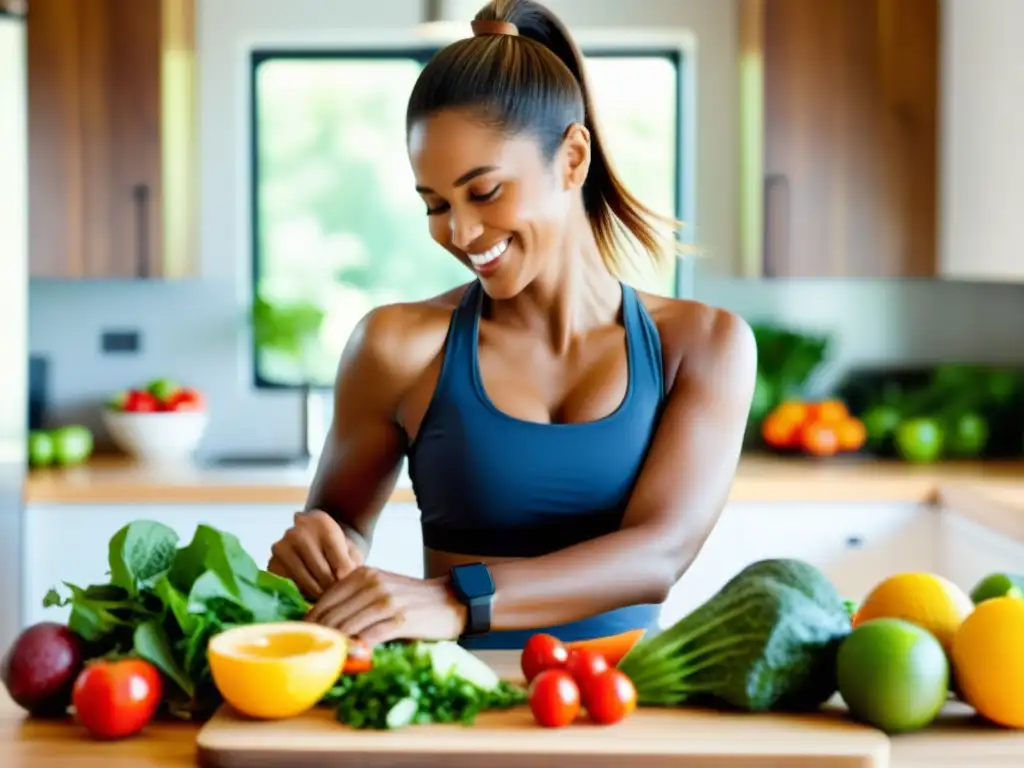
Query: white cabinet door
854	545
398	540
68	542
970	550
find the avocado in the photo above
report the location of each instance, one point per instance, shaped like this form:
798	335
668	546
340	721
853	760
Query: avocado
40	667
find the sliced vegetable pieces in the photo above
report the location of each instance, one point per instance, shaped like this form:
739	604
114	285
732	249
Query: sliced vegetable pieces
419	683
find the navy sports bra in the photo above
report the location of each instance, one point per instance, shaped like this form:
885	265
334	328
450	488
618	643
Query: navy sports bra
490	484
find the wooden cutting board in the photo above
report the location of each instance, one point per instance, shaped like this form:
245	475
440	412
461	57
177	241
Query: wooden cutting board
650	738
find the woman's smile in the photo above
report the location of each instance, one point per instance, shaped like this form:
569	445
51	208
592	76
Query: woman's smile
487	262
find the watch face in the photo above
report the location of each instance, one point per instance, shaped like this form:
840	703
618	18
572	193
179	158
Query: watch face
474	580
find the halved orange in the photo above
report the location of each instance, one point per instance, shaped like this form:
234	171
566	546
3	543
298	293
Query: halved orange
278	669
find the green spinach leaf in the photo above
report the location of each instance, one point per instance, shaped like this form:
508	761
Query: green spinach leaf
212	550
151	643
139	552
164	603
177	603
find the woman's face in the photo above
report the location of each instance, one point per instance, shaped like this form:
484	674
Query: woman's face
492	201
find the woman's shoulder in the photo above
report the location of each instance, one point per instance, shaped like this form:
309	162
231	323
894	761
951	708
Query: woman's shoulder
692	330
401	338
406	319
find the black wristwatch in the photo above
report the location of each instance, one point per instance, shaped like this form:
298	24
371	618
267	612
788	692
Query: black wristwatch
474	587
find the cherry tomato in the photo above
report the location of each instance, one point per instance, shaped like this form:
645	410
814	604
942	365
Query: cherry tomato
554	698
584	665
359	658
113	699
611	696
542	652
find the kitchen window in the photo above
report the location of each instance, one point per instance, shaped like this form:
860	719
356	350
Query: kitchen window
337	226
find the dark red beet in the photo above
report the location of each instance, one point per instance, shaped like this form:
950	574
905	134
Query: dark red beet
40	667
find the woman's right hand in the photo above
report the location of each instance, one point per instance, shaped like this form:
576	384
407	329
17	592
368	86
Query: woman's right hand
314	553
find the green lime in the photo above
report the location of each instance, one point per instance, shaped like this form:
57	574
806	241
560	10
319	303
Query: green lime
40	448
967	436
998	585
893	675
880	422
919	440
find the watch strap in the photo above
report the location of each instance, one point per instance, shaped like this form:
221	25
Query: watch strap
478	617
478	603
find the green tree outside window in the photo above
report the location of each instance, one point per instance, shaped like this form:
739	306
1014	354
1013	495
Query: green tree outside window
340	228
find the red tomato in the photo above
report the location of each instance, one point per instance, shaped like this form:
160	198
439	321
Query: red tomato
542	652
611	697
113	699
186	400
360	657
554	698
140	401
584	665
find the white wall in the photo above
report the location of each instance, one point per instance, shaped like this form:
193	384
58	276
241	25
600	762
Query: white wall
982	172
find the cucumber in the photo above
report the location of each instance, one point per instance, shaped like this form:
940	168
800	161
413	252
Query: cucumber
447	657
402	713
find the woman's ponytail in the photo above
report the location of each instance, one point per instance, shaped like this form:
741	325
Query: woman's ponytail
516	83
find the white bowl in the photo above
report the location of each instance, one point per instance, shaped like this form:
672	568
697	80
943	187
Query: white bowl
160	436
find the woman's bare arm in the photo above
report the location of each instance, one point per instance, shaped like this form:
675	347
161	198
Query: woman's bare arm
361	457
363	451
675	504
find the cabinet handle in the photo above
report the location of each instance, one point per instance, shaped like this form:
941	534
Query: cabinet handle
775	248
140	193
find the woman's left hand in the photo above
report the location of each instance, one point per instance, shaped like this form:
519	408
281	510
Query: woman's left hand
378	606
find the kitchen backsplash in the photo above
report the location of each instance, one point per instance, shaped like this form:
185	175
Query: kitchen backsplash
898	322
195	331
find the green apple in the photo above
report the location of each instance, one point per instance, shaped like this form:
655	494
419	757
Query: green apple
162	389
116	403
40	448
72	444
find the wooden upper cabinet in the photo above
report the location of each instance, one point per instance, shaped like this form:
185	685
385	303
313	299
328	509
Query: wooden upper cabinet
110	92
847	167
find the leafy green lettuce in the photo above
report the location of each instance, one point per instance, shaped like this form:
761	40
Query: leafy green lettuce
163	603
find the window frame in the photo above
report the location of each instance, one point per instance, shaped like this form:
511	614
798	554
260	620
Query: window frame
678	47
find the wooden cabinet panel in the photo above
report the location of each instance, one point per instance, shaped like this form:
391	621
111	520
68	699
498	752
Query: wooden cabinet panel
97	144
120	81
850	135
55	202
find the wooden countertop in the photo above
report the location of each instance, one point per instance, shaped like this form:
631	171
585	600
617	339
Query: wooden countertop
117	480
108	480
955	740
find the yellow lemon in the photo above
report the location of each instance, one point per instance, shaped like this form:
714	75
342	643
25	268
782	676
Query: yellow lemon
988	661
925	599
276	670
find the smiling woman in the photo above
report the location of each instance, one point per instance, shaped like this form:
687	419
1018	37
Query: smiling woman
571	439
338	225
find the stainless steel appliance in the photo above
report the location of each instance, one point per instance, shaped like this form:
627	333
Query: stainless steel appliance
13	311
